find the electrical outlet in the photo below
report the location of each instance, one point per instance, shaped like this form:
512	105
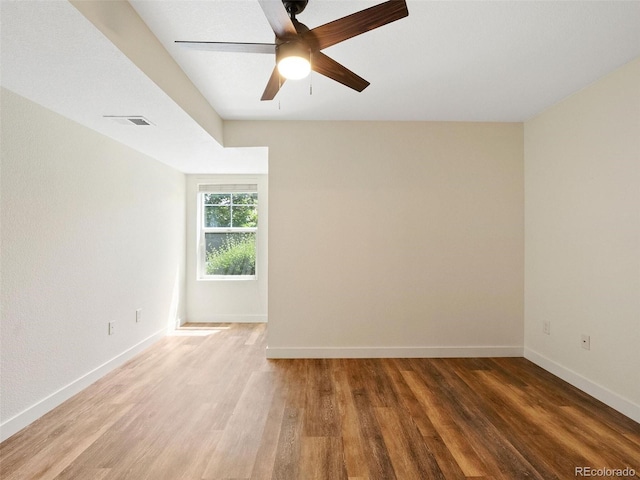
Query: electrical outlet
586	342
546	327
112	328
138	315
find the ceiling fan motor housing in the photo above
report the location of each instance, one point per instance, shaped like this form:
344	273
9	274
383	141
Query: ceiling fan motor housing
294	7
294	48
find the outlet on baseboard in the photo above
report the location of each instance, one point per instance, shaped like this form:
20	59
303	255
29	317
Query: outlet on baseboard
585	342
112	328
546	327
138	315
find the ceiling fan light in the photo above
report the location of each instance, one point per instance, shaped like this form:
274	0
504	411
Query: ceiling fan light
293	60
294	68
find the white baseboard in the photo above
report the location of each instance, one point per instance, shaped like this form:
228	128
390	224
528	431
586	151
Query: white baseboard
31	414
393	352
231	319
606	396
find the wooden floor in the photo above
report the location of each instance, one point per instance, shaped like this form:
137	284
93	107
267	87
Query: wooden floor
207	404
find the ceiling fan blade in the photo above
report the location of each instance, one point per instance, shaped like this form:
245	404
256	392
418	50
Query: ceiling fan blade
278	18
233	47
330	68
357	23
273	85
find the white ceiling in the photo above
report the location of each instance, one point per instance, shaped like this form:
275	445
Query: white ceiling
51	54
449	60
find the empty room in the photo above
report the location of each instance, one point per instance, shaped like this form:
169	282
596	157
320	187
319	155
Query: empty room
323	239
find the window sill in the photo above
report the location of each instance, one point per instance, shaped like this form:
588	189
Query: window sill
228	278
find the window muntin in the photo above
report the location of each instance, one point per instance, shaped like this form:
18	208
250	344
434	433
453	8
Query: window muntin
228	229
230	210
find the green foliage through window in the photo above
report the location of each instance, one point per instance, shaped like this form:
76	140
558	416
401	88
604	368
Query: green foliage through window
229	225
231	254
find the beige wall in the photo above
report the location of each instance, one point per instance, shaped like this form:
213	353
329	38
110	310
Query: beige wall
582	213
91	231
390	238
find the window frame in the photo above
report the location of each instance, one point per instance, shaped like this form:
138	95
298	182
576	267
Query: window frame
203	229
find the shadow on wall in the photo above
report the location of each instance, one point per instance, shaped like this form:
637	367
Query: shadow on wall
173	321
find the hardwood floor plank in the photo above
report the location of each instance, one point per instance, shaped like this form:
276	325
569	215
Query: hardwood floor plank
548	387
321	458
634	437
258	330
238	447
202	449
266	456
407	399
287	464
446	462
206	403
320	419
92	473
409	456
500	401
465	455
396	444
62	449
572	438
296	374
353	449
531	433
376	454
498	452
185	451
377	383
556	431
131	446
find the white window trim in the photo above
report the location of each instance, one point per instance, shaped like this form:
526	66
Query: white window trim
202	230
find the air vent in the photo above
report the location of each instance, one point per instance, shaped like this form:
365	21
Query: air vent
138	120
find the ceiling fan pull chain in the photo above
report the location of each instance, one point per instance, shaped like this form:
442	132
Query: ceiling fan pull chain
311	75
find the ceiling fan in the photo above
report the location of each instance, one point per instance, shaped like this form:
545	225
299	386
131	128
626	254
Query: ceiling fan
298	48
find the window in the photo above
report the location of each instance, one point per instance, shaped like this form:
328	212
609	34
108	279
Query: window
228	228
